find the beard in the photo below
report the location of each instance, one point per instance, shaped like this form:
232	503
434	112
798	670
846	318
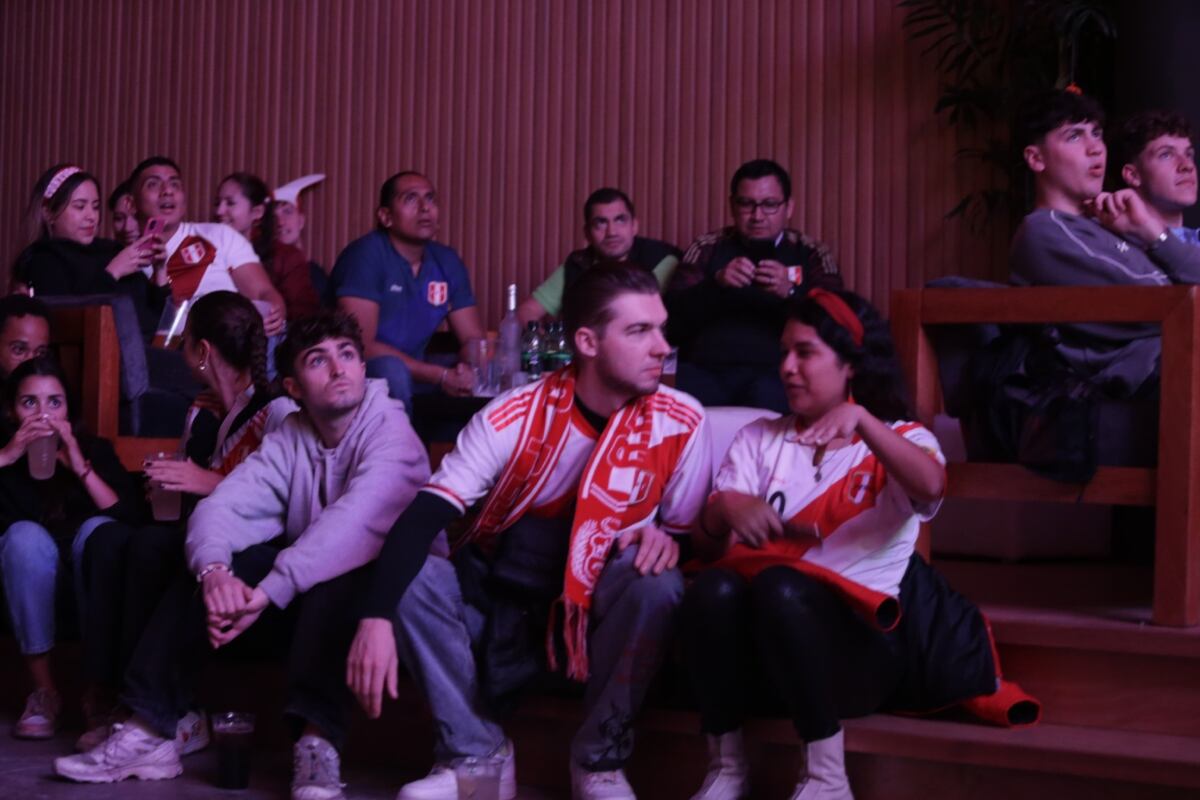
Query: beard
620	384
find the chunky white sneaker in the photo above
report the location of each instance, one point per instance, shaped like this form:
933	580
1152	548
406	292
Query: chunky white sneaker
728	773
129	752
824	775
440	783
316	770
608	785
191	733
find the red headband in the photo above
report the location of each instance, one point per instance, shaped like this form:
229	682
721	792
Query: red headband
841	313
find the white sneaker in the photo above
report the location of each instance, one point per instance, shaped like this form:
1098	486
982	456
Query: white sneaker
440	783
728	773
130	752
610	785
191	733
316	770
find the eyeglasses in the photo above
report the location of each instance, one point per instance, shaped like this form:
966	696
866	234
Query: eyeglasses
745	205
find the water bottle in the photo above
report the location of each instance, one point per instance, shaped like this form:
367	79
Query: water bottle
531	351
558	351
508	349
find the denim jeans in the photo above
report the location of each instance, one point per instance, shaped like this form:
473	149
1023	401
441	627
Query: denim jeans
29	570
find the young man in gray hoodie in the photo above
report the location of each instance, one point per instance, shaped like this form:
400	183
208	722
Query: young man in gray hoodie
331	481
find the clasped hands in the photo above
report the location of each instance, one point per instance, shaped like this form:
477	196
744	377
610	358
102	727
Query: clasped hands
232	606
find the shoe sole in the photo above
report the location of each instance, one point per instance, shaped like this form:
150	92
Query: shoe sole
35	733
143	772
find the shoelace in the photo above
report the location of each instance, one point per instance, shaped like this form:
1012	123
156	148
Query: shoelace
320	769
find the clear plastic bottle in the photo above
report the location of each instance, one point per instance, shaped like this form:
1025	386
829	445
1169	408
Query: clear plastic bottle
531	351
508	349
558	351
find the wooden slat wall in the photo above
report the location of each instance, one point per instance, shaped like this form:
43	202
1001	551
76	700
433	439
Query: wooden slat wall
515	108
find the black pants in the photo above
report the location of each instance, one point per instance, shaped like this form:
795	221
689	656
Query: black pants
822	661
126	570
729	385
161	679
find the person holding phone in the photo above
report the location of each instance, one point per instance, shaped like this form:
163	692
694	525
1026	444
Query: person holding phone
66	256
727	298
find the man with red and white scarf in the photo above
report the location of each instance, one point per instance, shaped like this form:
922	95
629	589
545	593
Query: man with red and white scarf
586	477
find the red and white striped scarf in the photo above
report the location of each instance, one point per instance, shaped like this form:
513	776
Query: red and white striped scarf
603	506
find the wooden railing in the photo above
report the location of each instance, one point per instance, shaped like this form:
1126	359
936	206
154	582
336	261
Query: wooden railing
1173	487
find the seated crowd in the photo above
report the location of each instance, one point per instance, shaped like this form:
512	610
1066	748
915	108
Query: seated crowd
595	526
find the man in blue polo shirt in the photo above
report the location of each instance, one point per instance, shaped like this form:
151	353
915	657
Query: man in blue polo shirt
400	284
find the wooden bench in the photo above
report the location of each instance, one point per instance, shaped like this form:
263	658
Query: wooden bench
1173	488
85	339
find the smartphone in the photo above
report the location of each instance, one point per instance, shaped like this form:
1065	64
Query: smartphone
760	250
154	226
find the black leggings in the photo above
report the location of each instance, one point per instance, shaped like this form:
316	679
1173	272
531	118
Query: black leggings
823	662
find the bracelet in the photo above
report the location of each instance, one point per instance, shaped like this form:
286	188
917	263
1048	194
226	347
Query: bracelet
87	470
442	380
1159	241
211	568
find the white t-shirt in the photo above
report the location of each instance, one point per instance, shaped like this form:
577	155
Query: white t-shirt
678	453
868	524
201	257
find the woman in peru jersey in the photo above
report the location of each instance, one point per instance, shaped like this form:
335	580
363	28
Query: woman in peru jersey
810	574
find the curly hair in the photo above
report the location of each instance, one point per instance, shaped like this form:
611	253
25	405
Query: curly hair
307	332
230	323
1138	130
877	383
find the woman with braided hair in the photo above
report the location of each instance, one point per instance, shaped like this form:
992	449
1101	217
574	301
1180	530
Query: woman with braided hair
126	569
811	575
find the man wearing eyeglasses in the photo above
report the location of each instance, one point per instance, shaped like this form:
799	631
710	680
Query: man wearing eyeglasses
727	299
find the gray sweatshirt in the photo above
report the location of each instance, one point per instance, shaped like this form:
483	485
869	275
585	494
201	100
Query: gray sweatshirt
335	505
1053	248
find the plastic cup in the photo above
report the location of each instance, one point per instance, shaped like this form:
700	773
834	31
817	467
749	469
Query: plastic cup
478	777
170	325
233	732
165	504
479	355
42	454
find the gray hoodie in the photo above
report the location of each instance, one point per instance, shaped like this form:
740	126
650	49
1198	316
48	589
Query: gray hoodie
1053	248
335	505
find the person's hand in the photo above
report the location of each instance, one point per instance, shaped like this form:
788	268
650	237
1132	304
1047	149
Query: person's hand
31	428
225	596
460	381
68	446
182	476
754	521
839	422
222	631
1124	213
657	550
372	664
274	320
736	274
772	276
143	251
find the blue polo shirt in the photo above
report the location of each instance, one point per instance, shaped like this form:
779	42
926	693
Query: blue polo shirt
410	307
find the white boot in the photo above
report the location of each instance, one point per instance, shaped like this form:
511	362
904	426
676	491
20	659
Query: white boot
824	775
728	774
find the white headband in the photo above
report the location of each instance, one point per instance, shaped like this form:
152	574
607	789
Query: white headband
58	180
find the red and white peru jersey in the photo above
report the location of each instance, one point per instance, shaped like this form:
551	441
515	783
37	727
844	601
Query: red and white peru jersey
867	523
